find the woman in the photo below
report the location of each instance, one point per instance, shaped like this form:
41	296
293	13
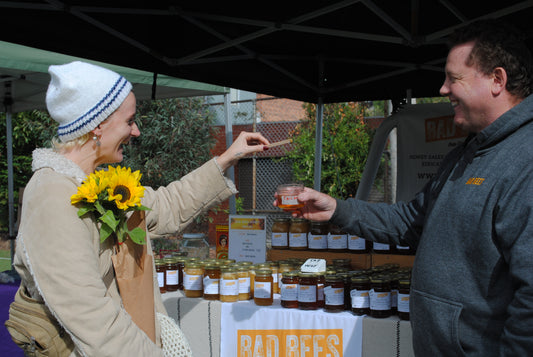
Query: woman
59	256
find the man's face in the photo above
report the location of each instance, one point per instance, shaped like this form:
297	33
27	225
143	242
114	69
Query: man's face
468	89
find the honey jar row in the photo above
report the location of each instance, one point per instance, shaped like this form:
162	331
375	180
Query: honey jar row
378	292
302	234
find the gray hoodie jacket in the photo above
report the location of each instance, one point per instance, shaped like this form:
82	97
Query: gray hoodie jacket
472	226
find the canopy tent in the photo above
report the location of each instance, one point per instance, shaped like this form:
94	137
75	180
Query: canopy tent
311	51
24	79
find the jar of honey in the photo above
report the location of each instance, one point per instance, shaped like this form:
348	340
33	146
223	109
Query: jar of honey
360	294
229	285
171	274
298	234
243	274
193	276
334	293
289	289
288	196
211	281
337	239
251	271
181	264
358	245
160	268
320	283
263	287
280	233
307	291
284	266
347	279
274	266
380	296
404	284
317	239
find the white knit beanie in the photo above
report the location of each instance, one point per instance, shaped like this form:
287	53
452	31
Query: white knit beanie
81	95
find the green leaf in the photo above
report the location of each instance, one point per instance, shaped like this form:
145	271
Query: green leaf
84	210
138	235
105	231
108	218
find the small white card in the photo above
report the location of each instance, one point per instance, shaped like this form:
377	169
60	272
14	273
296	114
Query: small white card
247	238
314	266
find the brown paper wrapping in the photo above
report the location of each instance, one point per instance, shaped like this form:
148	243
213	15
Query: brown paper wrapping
134	272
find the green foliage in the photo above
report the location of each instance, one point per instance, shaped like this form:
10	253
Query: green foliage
176	138
31	129
345	146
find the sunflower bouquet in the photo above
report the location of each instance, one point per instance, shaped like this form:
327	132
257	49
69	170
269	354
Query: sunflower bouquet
111	194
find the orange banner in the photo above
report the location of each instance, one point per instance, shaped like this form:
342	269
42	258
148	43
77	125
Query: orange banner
290	343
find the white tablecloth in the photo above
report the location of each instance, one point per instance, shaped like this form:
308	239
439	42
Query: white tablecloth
203	323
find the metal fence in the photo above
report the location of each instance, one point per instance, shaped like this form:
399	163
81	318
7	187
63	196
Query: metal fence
258	177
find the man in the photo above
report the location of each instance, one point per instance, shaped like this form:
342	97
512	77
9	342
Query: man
472	225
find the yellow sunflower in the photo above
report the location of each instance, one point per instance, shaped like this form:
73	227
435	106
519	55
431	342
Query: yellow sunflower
124	187
90	188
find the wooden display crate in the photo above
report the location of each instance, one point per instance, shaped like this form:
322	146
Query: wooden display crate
359	261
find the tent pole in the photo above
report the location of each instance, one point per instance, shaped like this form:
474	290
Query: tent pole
8	101
229	141
318	143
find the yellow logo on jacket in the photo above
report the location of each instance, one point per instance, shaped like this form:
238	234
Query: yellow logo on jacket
475	181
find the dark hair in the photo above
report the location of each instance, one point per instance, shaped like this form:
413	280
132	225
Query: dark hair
498	44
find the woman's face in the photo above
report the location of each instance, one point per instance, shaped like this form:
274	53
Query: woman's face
116	131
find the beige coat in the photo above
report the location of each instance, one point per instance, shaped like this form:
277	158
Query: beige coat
61	261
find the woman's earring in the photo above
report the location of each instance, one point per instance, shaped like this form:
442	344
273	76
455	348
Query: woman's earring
96	140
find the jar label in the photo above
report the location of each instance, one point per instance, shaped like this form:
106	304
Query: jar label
229	287
289	292
211	285
262	290
172	277
289	199
161	279
380	300
356	243
298	239
402	247
244	285
360	299
317	241
403	302
192	282
337	241
280	239
334	296
307	293
380	246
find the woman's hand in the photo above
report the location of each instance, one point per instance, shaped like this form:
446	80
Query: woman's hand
317	206
245	144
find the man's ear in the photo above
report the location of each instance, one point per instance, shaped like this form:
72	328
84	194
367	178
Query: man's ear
499	80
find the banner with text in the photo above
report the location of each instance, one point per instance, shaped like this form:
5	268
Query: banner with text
248	330
426	133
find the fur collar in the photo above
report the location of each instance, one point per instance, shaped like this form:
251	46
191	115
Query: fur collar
57	162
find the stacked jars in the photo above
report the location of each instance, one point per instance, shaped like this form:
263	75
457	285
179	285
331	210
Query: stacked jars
301	234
